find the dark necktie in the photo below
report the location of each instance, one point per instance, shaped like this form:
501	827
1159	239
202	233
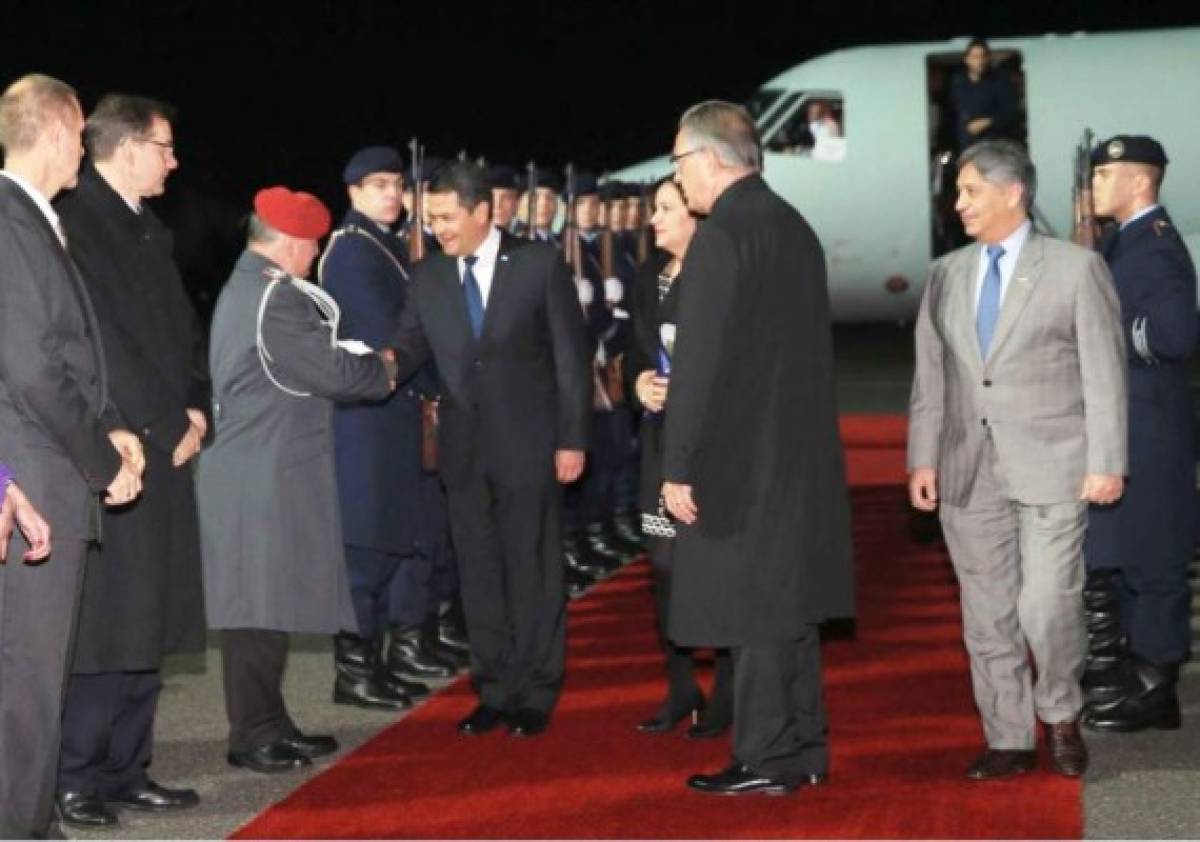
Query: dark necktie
989	300
473	295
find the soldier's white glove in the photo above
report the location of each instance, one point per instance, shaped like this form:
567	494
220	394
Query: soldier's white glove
586	292
614	290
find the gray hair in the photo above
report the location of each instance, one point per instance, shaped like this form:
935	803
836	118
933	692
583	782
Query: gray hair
727	129
258	232
29	105
1003	162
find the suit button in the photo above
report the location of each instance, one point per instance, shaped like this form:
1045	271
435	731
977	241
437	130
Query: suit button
987	382
984	422
478	363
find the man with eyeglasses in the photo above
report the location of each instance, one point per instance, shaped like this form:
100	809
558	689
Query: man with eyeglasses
142	592
752	461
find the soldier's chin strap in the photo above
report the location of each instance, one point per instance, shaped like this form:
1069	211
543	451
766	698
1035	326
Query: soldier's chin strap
331	314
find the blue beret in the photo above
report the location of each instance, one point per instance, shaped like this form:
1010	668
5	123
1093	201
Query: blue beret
585	184
372	159
503	177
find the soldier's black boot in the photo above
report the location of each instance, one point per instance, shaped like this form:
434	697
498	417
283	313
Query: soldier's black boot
579	545
452	650
627	524
409	656
357	676
575	584
1153	704
1107	676
576	559
597	539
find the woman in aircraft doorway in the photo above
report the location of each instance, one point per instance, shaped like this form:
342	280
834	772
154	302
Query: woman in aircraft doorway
653	306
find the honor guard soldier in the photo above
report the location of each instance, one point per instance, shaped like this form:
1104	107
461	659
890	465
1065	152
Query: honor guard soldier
271	534
392	516
545	207
506	191
1138	550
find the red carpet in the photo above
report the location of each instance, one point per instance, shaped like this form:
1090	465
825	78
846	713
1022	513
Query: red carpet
902	726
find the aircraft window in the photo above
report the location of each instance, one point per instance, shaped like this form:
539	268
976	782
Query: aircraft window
816	129
761	102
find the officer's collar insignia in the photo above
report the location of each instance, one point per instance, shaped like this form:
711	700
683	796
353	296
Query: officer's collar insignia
1161	225
1116	150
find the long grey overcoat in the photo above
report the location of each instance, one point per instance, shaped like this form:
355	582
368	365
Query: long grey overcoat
269	522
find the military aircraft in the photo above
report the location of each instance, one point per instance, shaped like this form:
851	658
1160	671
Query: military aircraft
875	186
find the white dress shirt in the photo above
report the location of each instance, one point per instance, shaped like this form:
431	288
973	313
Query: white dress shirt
1012	246
41	201
485	267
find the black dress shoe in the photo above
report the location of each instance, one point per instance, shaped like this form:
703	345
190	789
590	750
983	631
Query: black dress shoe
995	764
311	745
481	720
576	584
1068	754
528	722
153	798
82	809
671	713
270	759
1151	701
739	779
368	692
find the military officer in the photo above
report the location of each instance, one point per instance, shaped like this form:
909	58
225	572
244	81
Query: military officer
1138	550
271	535
390	519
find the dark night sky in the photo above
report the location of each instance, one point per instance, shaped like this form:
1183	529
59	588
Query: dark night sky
282	92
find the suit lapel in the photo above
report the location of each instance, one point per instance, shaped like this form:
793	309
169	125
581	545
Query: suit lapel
1020	288
455	301
961	303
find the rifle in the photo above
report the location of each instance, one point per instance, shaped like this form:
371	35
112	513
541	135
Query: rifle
643	243
416	226
531	199
1083	228
572	249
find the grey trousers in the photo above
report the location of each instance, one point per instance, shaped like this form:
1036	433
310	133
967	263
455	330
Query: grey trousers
1020	572
39	605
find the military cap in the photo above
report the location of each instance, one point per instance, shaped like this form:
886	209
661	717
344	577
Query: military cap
586	184
372	159
297	214
1129	149
611	190
503	177
549	179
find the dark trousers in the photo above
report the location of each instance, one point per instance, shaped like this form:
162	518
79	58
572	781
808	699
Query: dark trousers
681	678
108	731
508	545
604	485
386	587
1156	610
252	665
779	726
38	608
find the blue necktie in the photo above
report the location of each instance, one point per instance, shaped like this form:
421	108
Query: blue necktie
473	295
989	300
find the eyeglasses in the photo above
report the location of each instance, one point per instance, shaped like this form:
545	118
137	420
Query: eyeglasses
679	156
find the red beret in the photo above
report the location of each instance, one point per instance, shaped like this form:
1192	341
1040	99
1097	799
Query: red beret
300	215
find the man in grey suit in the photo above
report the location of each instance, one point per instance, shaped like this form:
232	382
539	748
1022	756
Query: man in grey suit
1016	423
59	433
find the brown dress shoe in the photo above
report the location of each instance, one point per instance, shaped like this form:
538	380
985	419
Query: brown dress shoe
1068	754
995	764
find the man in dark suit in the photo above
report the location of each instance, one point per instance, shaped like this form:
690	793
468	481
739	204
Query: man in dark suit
752	462
503	325
142	594
58	432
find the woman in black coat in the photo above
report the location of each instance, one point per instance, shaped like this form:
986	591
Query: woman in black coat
654	303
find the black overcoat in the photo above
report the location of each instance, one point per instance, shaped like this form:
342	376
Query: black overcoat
751	424
142	595
1152	525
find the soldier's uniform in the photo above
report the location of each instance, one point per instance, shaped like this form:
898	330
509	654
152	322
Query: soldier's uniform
1138	550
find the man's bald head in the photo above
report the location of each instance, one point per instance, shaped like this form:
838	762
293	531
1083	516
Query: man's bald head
31	105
